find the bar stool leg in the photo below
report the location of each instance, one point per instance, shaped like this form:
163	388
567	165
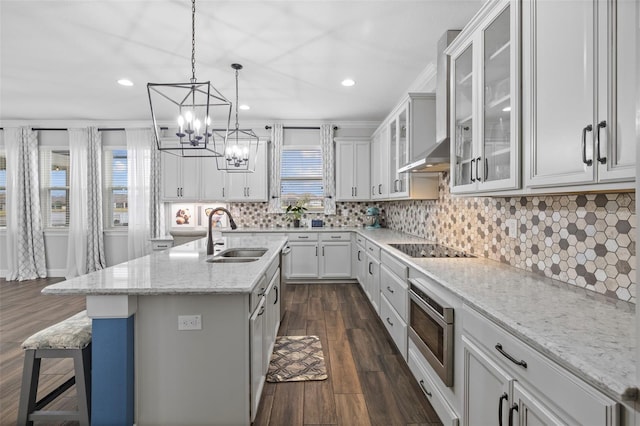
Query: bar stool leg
82	365
28	392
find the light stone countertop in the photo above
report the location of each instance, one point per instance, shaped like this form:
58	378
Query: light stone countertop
589	334
180	270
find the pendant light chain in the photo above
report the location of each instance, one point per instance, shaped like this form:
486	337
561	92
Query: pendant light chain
193	40
237	125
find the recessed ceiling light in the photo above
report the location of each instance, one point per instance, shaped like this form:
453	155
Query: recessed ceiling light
348	82
125	82
244	107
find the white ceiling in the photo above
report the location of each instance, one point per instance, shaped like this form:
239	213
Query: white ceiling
59	60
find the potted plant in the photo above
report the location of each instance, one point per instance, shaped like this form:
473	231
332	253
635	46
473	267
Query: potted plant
295	211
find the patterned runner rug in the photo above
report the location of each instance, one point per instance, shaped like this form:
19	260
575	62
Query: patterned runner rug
296	359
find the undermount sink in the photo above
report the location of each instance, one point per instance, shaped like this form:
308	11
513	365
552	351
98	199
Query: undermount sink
231	259
242	252
238	255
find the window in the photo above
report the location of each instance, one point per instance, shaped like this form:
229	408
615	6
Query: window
301	176
116	198
54	172
3	190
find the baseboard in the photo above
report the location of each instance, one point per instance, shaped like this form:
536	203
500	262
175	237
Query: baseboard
56	273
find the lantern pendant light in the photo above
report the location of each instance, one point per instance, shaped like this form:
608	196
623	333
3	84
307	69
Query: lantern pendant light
198	105
241	150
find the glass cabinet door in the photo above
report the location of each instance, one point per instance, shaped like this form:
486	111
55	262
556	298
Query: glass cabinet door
463	125
393	155
403	148
496	140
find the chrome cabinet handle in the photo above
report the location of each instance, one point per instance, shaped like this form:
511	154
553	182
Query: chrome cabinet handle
601	125
276	289
316	251
177	192
261	292
355	191
390	290
477	173
370	265
380	189
248	191
486	169
373	190
471	170
359	260
323	250
302	237
514	408
521	363
336	237
586	129
261	311
400	181
389	321
425	389
503	397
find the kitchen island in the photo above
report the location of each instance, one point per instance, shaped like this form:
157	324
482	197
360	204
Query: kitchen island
146	370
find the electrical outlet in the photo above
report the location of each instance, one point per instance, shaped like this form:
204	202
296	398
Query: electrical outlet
189	322
512	228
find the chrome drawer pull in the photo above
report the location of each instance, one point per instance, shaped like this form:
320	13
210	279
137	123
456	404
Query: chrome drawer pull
389	321
586	129
509	357
390	290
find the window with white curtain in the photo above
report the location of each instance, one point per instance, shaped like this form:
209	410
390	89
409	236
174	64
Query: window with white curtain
301	176
3	189
54	186
116	191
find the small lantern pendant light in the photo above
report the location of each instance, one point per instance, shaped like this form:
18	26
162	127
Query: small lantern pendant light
241	148
198	105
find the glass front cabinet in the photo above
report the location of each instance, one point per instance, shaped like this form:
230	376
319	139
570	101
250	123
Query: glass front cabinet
485	93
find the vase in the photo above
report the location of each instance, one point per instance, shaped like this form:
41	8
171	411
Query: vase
296	223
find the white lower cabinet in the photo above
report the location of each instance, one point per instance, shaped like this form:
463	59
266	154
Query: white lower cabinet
320	255
508	382
372	280
257	326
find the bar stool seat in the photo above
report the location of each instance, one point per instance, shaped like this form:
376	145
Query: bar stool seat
70	338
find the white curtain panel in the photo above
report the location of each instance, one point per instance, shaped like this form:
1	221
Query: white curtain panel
95	228
78	200
328	164
277	140
139	144
155	212
25	236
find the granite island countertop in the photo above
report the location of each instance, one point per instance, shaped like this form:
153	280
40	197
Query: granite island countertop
179	270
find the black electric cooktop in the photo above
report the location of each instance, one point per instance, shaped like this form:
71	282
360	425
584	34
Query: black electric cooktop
429	250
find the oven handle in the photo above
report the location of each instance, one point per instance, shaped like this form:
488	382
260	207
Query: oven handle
435	315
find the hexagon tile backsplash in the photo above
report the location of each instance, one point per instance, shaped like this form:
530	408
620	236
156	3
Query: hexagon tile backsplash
587	240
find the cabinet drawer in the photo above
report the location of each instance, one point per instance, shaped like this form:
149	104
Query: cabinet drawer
335	236
394	265
360	240
372	249
271	270
437	400
257	293
303	236
395	290
396	327
581	402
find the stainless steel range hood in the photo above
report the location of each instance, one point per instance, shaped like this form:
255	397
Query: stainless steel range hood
436	156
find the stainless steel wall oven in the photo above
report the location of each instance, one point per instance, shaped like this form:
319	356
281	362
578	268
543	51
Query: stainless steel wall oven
431	329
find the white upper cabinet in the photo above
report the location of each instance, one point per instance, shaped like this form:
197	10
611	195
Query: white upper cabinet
249	186
379	165
212	180
352	169
180	178
579	76
485	74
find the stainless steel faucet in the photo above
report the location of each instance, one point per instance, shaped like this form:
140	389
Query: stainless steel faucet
209	234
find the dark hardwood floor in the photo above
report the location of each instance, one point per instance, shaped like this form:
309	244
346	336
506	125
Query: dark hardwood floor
368	384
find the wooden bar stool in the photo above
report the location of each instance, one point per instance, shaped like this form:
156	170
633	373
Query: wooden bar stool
70	338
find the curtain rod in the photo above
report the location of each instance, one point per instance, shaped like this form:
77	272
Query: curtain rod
100	129
267	127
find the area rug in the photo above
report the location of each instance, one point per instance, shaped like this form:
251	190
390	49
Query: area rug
296	359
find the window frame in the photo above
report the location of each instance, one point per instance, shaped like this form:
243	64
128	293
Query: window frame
284	202
108	190
45	191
